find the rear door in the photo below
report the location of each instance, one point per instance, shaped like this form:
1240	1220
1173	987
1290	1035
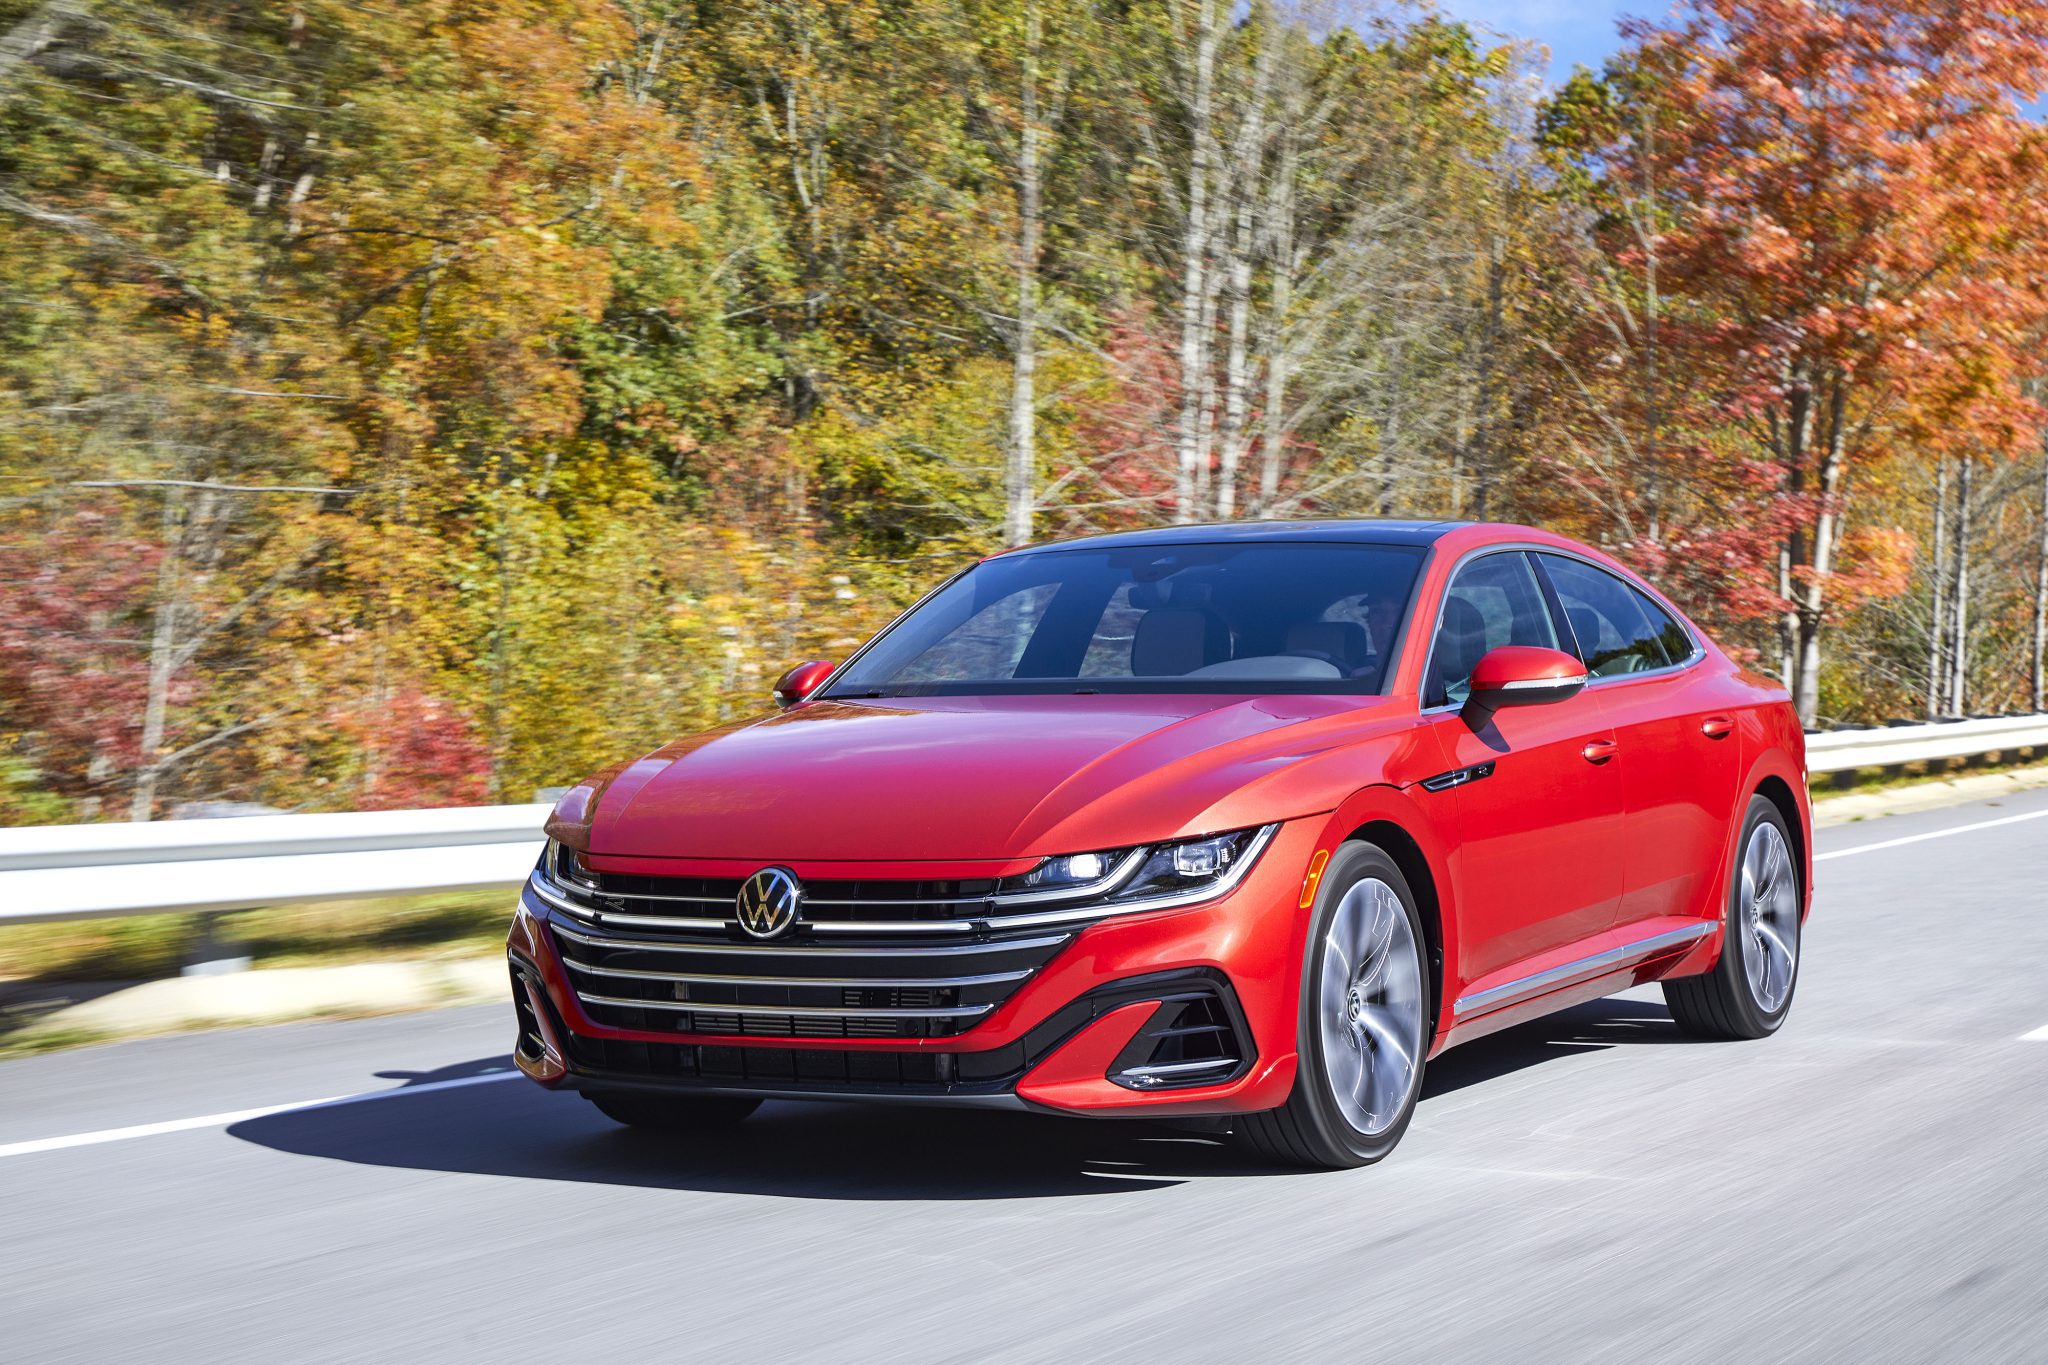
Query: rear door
1538	809
1676	751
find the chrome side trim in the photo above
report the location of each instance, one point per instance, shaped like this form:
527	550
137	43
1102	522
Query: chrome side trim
774	950
802	1011
833	982
1598	964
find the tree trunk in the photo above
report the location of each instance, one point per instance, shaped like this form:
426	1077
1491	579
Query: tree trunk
1230	438
1020	477
1276	207
1937	628
1959	596
1190	447
1246	182
163	658
1482	460
1814	550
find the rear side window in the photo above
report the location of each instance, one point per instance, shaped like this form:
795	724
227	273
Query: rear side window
1677	642
1617	629
1493	601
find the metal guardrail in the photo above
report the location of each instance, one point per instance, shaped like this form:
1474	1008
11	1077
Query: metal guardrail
59	872
1889	746
63	872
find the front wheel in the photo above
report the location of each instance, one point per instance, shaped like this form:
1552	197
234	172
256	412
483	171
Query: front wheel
1749	991
672	1113
1364	1022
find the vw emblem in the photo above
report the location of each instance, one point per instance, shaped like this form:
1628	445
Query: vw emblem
769	902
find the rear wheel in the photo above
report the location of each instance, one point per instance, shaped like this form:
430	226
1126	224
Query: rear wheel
673	1113
1749	991
1364	1022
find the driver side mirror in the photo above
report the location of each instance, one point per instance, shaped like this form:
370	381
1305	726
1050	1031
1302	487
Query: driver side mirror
1522	675
800	682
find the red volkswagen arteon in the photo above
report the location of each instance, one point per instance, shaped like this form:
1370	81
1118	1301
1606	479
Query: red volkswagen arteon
1244	820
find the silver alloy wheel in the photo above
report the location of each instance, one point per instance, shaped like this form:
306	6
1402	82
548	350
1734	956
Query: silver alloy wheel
1369	977
1769	910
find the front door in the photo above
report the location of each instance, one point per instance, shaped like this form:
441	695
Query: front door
1539	805
1678	753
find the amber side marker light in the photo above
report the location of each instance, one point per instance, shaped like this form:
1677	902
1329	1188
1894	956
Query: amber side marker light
1314	878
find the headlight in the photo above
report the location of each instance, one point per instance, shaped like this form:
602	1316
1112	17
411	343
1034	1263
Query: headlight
1192	865
1076	869
560	865
1117	881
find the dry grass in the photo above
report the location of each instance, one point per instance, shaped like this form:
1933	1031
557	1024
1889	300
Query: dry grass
143	947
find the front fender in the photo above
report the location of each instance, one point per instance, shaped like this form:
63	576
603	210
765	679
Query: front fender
1386	814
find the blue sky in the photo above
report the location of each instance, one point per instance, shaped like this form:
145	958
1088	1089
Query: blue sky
1581	34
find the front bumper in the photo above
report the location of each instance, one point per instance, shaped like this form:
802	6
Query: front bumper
1077	1036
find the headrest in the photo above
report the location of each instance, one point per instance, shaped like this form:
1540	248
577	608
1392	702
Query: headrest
1463	620
1172	641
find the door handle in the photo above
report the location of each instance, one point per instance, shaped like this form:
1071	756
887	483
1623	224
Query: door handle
1717	727
1600	750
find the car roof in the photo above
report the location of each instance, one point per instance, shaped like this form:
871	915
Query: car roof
1354	531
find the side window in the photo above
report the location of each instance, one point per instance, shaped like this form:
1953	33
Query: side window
1676	640
1611	621
1493	601
990	644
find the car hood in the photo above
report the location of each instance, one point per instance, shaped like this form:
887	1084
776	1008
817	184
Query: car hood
977	778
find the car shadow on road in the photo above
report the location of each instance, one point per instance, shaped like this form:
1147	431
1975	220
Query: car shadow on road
1591	1027
847	1151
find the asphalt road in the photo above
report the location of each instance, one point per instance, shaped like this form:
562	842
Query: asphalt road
1868	1185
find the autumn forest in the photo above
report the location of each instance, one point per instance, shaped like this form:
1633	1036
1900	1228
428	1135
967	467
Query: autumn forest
421	402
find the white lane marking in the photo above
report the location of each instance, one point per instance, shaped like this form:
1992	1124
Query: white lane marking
1931	834
2039	1035
143	1130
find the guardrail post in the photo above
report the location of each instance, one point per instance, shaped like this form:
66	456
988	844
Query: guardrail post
212	952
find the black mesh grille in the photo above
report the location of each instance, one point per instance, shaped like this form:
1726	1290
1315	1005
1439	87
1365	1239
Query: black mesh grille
1195	1037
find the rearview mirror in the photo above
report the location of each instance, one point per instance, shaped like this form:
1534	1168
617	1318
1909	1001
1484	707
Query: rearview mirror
800	682
1522	675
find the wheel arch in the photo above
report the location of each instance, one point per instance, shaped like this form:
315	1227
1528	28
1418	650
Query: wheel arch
1775	790
1391	819
1399	845
1778	779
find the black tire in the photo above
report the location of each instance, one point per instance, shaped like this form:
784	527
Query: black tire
673	1113
1721	1004
1310	1130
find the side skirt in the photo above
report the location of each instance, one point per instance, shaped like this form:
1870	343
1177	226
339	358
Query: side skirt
1604	963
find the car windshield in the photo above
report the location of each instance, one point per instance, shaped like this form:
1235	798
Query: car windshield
1245	617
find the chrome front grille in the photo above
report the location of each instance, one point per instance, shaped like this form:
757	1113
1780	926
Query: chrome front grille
710	981
873	958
